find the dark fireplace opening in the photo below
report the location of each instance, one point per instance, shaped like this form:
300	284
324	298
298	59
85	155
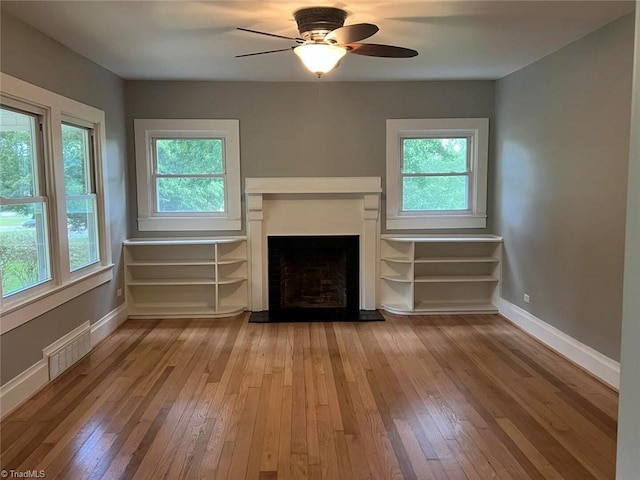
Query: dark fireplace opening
314	277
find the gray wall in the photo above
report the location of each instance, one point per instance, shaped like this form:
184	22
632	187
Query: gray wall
560	175
305	129
627	464
29	55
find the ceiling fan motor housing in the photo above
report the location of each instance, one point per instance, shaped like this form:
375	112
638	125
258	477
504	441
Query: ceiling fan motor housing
315	22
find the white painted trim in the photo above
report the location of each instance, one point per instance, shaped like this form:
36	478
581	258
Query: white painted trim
183	241
13	317
44	98
628	444
47	351
309	185
20	388
22	307
108	324
599	365
412	238
229	130
475	217
17	390
364	190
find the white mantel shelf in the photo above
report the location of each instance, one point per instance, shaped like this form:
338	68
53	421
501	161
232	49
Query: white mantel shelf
325	185
312	206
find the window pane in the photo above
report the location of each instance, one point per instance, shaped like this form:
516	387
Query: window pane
189	156
190	194
82	229
434	155
75	151
17	155
24	250
435	193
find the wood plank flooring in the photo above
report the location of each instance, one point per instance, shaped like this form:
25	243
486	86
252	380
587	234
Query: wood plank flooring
437	397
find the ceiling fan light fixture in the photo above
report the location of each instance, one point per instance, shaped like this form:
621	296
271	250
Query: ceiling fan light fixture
320	58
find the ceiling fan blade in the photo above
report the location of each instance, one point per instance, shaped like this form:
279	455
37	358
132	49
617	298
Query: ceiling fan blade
262	53
296	39
376	50
351	33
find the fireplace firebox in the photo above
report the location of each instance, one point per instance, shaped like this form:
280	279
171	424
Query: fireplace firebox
313	277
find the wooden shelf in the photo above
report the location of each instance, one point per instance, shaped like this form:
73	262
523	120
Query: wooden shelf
444	239
179	241
455	279
454	307
230	280
164	311
186	277
231	261
231	309
396	278
456	260
397	259
170	263
401	308
173	281
440	274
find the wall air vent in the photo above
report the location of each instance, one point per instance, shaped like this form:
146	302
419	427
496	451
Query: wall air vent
68	350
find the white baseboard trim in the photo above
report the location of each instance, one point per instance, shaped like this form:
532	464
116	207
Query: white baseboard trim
597	364
17	390
47	351
108	324
20	388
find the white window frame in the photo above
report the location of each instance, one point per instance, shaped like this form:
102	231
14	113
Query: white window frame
65	285
477	130
40	188
90	180
148	218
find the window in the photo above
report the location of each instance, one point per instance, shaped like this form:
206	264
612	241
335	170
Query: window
54	231
24	230
188	174
82	219
437	173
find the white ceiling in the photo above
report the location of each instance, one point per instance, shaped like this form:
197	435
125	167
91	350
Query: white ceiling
198	40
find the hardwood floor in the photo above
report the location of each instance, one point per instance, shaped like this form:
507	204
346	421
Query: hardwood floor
443	397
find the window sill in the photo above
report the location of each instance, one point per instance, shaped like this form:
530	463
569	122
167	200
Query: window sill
186	224
24	310
436	222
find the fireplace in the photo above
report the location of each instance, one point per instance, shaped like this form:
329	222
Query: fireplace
312	206
313	277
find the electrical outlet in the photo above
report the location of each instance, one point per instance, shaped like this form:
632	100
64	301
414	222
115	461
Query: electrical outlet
526	298
119	292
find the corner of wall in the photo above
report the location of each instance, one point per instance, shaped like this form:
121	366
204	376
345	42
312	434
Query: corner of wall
602	367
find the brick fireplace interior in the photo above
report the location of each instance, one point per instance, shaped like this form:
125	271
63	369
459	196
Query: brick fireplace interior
313	277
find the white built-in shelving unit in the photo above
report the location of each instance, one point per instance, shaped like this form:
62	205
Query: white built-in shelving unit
168	278
440	274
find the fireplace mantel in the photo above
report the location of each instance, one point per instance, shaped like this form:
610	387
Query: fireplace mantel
313	206
324	185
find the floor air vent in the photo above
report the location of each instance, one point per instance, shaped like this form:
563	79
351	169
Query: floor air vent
68	350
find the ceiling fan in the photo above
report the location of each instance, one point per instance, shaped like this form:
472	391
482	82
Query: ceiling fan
324	39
